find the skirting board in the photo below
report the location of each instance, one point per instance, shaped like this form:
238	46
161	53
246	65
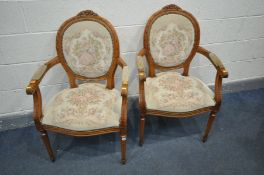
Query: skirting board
24	120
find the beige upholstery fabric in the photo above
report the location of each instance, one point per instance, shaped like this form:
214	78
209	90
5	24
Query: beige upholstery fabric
170	91
140	63
37	75
216	60
171	39
125	75
88	107
88	48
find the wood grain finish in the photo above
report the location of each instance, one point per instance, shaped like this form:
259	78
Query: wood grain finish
33	86
145	53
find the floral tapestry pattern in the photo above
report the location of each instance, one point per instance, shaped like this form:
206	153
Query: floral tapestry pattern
170	91
171	44
88	53
90	106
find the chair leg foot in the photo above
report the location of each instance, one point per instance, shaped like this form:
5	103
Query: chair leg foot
45	139
123	162
123	149
204	139
141	131
209	126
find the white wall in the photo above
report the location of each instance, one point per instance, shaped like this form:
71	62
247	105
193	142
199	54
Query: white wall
233	29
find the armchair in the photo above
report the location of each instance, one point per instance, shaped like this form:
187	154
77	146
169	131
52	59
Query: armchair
171	40
88	48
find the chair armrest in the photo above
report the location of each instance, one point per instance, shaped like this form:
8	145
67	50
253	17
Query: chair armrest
140	65
221	73
215	61
124	92
39	74
142	79
124	88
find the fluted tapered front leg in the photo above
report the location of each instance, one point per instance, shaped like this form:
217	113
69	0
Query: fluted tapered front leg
45	139
123	148
209	125
141	129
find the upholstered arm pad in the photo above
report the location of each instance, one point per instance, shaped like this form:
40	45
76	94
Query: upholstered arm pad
215	61
125	75
39	74
140	65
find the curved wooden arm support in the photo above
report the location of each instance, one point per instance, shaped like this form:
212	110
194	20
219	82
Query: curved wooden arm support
221	73
37	110
123	119
215	61
142	79
39	74
218	91
141	52
124	92
33	89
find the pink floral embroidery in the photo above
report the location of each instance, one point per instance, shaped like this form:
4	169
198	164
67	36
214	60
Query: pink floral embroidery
90	106
88	53
84	96
170	45
170	91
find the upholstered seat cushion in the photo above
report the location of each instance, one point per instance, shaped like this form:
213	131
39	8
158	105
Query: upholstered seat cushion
170	91
88	107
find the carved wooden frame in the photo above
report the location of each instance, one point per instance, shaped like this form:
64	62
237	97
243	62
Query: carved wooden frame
145	52
89	16
33	86
170	9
